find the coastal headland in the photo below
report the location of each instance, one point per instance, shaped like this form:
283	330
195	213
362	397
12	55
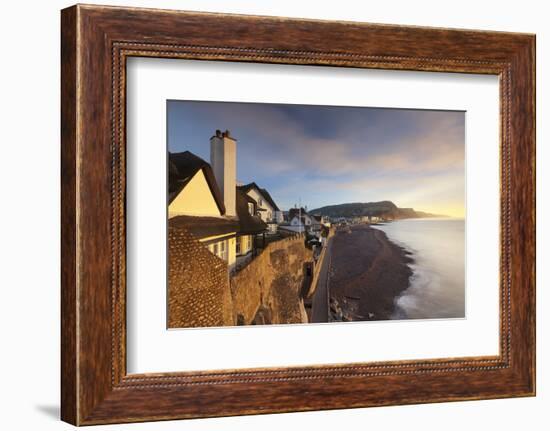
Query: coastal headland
368	272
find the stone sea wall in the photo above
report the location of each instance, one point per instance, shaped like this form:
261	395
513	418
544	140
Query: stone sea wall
268	289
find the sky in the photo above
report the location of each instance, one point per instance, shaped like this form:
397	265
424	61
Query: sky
326	155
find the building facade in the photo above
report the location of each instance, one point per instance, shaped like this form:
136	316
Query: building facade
204	199
266	207
299	218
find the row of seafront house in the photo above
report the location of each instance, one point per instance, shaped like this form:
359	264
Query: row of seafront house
230	245
229	218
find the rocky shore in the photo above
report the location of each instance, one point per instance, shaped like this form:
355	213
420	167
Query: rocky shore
368	273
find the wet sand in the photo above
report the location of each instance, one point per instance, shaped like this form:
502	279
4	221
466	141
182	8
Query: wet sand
368	273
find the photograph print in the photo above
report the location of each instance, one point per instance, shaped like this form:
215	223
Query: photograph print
295	214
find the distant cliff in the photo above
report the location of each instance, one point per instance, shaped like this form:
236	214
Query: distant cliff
384	209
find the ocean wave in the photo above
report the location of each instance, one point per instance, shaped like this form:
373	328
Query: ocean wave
436	287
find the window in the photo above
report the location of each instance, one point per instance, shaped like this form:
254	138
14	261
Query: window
223	250
251	208
260	202
238	245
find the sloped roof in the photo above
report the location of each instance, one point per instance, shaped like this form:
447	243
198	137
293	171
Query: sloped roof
197	280
302	219
247	187
295	212
203	227
248	224
270	199
182	167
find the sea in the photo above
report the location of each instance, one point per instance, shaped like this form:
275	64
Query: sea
437	287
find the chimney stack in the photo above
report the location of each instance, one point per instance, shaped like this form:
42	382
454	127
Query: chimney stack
223	158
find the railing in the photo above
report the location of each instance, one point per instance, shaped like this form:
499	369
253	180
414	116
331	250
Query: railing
269	244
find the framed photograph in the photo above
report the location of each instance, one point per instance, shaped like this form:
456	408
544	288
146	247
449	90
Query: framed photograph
329	214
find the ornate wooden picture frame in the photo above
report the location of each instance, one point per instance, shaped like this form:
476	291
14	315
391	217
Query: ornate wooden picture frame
96	41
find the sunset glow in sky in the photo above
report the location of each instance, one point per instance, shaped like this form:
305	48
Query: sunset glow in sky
325	155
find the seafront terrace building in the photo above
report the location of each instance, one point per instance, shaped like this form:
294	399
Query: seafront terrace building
204	199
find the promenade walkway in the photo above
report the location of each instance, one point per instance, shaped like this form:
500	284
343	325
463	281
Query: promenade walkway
320	302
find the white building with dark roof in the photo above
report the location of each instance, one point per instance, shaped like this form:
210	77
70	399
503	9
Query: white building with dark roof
266	206
299	217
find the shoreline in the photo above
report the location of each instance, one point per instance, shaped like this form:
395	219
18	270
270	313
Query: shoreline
368	274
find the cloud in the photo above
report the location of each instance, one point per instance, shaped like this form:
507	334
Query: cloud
328	153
